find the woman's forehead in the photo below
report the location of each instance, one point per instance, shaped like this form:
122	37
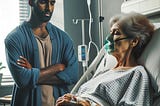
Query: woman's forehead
114	26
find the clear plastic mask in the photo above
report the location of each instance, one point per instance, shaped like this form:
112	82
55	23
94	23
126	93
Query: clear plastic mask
110	43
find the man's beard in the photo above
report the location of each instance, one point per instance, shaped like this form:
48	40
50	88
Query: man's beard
42	14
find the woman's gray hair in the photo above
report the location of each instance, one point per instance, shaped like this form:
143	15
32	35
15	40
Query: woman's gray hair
136	25
115	19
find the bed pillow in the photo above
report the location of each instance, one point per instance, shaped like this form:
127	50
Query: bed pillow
150	58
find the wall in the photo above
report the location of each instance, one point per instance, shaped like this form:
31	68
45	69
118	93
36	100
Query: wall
110	8
74	9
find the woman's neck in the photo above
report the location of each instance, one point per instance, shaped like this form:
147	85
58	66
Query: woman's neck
129	61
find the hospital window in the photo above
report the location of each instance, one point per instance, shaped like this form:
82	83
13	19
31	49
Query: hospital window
13	13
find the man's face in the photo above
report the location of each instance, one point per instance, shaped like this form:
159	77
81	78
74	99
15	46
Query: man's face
43	9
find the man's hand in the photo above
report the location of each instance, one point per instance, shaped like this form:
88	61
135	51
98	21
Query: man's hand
59	67
24	62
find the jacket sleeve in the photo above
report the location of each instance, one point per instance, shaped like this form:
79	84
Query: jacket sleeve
70	74
14	48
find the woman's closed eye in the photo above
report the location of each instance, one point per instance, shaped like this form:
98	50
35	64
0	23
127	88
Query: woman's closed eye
115	32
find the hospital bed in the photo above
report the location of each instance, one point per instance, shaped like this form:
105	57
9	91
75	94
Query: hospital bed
150	59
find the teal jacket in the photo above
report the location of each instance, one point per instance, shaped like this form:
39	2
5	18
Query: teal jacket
21	42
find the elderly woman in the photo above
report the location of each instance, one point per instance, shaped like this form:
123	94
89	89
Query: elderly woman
128	83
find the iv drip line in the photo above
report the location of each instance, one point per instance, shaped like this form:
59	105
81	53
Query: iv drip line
90	23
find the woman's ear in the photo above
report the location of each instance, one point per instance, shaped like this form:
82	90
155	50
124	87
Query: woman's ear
134	42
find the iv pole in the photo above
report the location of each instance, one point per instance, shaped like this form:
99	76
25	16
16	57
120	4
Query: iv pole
84	62
101	18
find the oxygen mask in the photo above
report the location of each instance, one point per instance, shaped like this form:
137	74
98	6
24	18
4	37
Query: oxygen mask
109	44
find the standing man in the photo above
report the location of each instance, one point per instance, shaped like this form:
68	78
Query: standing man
41	58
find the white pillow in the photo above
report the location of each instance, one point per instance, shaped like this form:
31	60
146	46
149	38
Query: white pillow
151	60
108	62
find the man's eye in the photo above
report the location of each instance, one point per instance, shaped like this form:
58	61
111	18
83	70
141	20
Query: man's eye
53	2
46	1
42	1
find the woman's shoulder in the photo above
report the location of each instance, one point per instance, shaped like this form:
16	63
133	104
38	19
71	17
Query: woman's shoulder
139	67
140	70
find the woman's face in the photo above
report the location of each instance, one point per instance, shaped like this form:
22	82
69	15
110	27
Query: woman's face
121	42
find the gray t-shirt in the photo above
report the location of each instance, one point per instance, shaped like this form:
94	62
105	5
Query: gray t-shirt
45	53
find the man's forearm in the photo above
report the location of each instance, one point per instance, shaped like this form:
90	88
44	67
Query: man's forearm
48	75
53	80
